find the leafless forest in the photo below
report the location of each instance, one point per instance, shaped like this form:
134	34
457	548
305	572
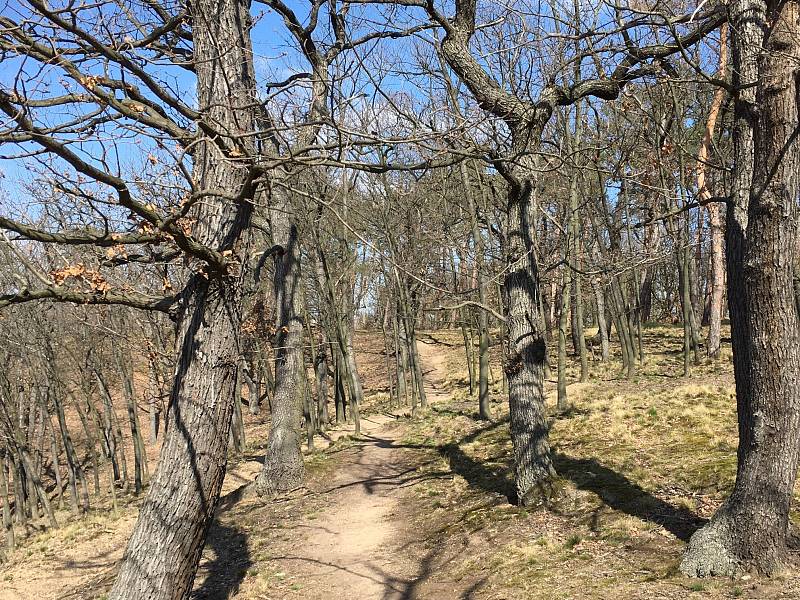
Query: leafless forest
399	299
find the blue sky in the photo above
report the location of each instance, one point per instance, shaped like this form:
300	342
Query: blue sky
275	59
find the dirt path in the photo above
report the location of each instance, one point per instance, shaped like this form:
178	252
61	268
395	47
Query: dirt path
347	551
355	548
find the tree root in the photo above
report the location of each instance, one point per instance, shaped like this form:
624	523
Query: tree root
708	553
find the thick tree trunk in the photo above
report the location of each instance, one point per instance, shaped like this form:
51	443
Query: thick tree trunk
163	552
750	530
525	352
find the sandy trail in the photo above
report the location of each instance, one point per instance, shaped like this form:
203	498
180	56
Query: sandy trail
347	552
354	550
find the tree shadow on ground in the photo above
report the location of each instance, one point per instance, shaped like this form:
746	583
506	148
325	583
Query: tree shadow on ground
425	582
222	576
614	489
622	494
493	478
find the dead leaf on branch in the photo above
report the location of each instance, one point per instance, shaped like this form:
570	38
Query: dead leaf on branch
79	272
117	250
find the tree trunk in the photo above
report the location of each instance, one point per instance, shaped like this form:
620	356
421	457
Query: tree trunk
108	426
525	350
484	407
750	530
139	453
563	316
91	445
8	525
602	326
400	361
714	210
163	552
354	381
56	463
283	468
321	369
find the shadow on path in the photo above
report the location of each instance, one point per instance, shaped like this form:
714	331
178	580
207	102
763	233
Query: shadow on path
225	572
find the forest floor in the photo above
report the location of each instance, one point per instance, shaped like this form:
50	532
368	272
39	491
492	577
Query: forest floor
419	508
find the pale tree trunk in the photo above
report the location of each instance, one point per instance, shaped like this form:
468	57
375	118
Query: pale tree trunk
750	530
163	552
717	275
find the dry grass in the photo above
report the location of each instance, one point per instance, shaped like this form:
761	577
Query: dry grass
641	463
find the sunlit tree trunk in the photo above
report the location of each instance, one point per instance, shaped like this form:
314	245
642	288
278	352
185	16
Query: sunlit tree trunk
164	549
750	530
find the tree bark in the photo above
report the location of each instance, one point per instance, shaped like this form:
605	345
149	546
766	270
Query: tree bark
484	406
283	468
714	209
751	528
525	353
8	525
163	552
563	316
602	326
